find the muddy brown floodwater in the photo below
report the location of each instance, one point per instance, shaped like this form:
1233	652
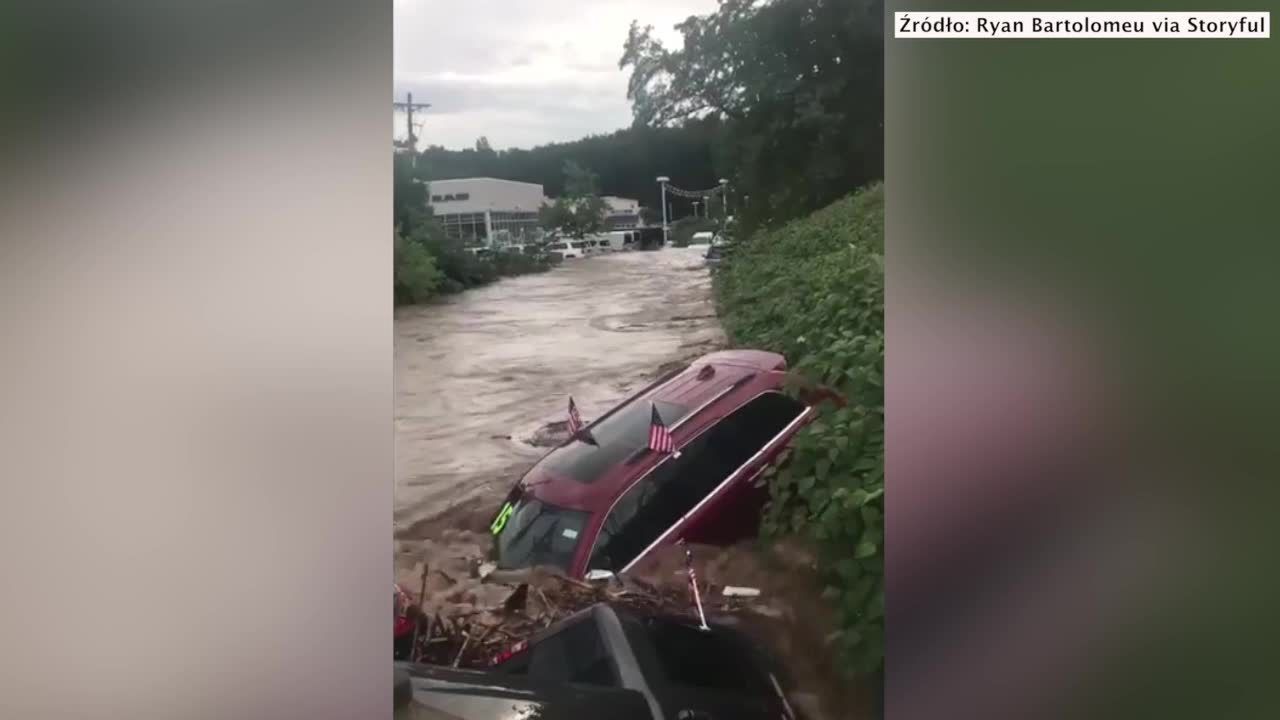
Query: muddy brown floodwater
483	378
479	375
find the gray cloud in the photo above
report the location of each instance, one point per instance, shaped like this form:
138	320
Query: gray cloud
521	72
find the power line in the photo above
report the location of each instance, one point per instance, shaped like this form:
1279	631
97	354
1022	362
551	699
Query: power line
408	107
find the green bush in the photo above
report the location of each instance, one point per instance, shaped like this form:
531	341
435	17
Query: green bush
416	276
814	291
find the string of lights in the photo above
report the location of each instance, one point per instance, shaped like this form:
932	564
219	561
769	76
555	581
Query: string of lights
694	194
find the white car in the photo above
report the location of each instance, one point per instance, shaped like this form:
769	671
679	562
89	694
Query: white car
568	249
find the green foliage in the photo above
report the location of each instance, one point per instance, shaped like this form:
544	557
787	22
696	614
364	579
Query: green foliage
814	291
579	182
580	210
797	84
416	276
557	216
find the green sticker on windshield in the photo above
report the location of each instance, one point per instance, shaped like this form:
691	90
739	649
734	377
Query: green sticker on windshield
501	521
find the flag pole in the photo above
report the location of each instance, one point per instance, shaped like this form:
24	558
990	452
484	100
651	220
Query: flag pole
693	582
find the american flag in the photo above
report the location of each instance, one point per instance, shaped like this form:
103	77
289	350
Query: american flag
575	420
659	436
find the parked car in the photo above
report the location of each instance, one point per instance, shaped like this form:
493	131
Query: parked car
602	500
567	249
608	662
702	238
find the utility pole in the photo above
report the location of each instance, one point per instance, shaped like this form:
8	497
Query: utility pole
409	106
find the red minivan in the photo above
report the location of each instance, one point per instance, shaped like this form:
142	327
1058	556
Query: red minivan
602	500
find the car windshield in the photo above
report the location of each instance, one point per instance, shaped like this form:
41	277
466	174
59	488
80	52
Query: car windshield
556	246
610	441
538	533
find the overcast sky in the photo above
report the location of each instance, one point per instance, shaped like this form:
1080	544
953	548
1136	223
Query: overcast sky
521	72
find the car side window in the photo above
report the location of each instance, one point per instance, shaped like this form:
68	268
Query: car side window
674	487
743	433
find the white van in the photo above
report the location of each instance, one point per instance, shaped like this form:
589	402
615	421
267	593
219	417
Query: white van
617	240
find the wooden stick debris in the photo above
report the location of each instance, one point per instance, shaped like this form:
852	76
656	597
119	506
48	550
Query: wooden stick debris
417	621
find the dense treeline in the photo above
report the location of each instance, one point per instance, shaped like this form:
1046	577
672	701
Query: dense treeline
626	163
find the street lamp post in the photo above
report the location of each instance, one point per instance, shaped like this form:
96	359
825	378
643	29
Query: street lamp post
724	204
663	180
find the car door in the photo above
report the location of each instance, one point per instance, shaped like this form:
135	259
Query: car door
702	494
650	509
737	449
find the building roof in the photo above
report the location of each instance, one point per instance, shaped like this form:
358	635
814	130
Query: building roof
484	193
485	179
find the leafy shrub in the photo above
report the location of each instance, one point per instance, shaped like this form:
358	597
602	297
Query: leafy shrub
416	276
814	291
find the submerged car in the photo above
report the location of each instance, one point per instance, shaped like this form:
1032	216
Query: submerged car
602	500
679	669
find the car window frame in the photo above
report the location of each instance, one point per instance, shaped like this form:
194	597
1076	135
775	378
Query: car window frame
597	527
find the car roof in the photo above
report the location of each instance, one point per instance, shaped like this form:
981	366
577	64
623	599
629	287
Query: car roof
708	388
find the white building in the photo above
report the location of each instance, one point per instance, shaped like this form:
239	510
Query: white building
622	214
486	210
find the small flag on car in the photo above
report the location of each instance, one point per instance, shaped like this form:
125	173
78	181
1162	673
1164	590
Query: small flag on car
659	436
575	420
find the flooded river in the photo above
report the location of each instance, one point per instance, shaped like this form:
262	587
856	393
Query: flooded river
479	375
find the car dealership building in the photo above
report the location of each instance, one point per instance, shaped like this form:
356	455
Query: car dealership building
486	211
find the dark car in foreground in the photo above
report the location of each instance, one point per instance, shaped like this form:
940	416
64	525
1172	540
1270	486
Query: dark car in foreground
603	500
607	663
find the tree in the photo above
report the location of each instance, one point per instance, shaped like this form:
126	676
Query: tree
557	216
797	83
580	210
416	276
482	145
579	182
